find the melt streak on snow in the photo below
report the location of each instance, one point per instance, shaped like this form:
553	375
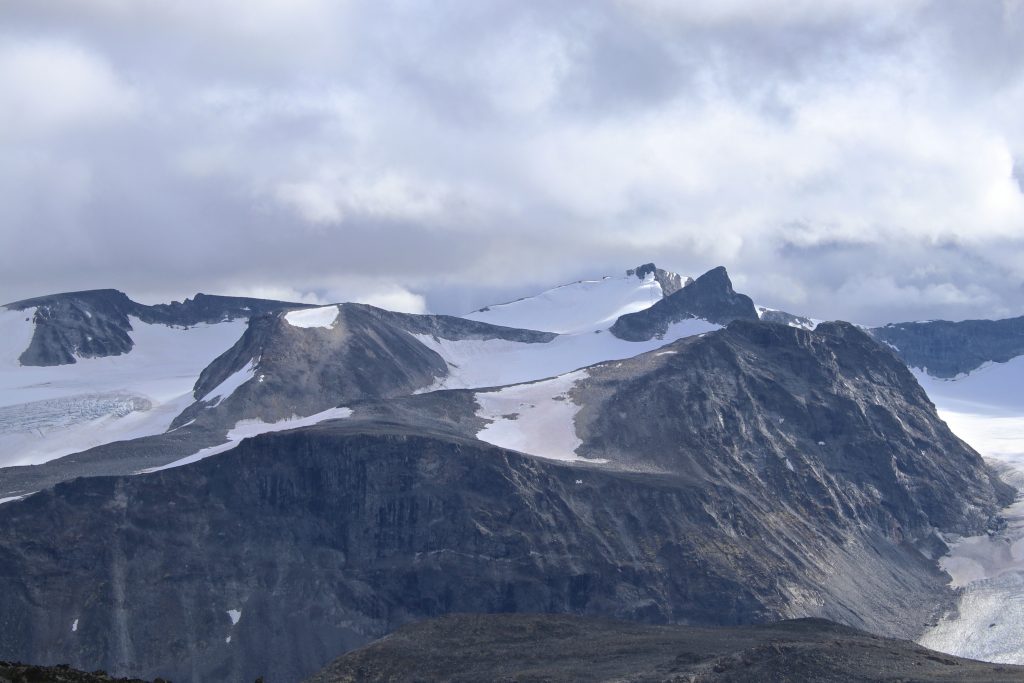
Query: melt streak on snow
246	428
986	409
536	418
49	412
325	316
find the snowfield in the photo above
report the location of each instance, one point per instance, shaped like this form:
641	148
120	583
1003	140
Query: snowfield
49	412
536	418
325	316
986	409
474	364
577	307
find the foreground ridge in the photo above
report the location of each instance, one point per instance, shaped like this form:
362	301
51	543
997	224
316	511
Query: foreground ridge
523	647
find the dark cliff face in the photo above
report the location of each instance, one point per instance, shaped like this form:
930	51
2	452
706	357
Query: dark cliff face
95	323
946	349
324	539
710	297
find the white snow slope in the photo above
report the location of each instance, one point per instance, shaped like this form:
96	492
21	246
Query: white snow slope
48	412
986	409
536	418
580	312
577	307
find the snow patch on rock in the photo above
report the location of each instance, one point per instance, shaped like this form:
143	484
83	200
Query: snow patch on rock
536	418
324	316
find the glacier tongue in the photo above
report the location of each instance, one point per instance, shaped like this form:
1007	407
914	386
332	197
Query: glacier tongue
986	409
50	411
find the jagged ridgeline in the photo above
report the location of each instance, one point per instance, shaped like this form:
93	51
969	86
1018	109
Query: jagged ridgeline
644	446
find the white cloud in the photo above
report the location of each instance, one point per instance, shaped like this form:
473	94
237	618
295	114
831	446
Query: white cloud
823	151
50	85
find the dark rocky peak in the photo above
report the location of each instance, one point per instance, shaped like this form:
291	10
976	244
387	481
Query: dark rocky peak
946	349
366	353
670	282
770	315
95	323
798	415
710	297
74	325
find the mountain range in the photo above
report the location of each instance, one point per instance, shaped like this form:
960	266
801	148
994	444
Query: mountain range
225	488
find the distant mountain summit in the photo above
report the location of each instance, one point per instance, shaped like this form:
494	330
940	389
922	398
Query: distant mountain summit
947	349
710	297
97	323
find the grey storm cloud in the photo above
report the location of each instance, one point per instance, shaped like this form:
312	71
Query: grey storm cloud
854	159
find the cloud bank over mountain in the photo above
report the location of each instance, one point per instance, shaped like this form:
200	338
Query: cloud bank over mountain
867	153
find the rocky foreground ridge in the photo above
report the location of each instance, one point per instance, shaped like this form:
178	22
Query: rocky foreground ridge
529	647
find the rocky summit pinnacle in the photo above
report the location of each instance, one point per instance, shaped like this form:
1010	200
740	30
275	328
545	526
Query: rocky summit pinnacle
710	297
670	282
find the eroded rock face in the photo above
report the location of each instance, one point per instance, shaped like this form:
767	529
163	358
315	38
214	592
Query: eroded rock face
326	538
828	420
946	349
710	297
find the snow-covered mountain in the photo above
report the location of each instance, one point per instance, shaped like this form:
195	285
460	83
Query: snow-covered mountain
643	445
191	384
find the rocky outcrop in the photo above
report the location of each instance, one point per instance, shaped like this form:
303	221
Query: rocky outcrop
828	421
770	315
670	282
12	672
368	353
947	349
710	297
474	647
77	325
96	323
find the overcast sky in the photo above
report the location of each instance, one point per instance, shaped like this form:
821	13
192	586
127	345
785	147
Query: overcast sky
857	159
